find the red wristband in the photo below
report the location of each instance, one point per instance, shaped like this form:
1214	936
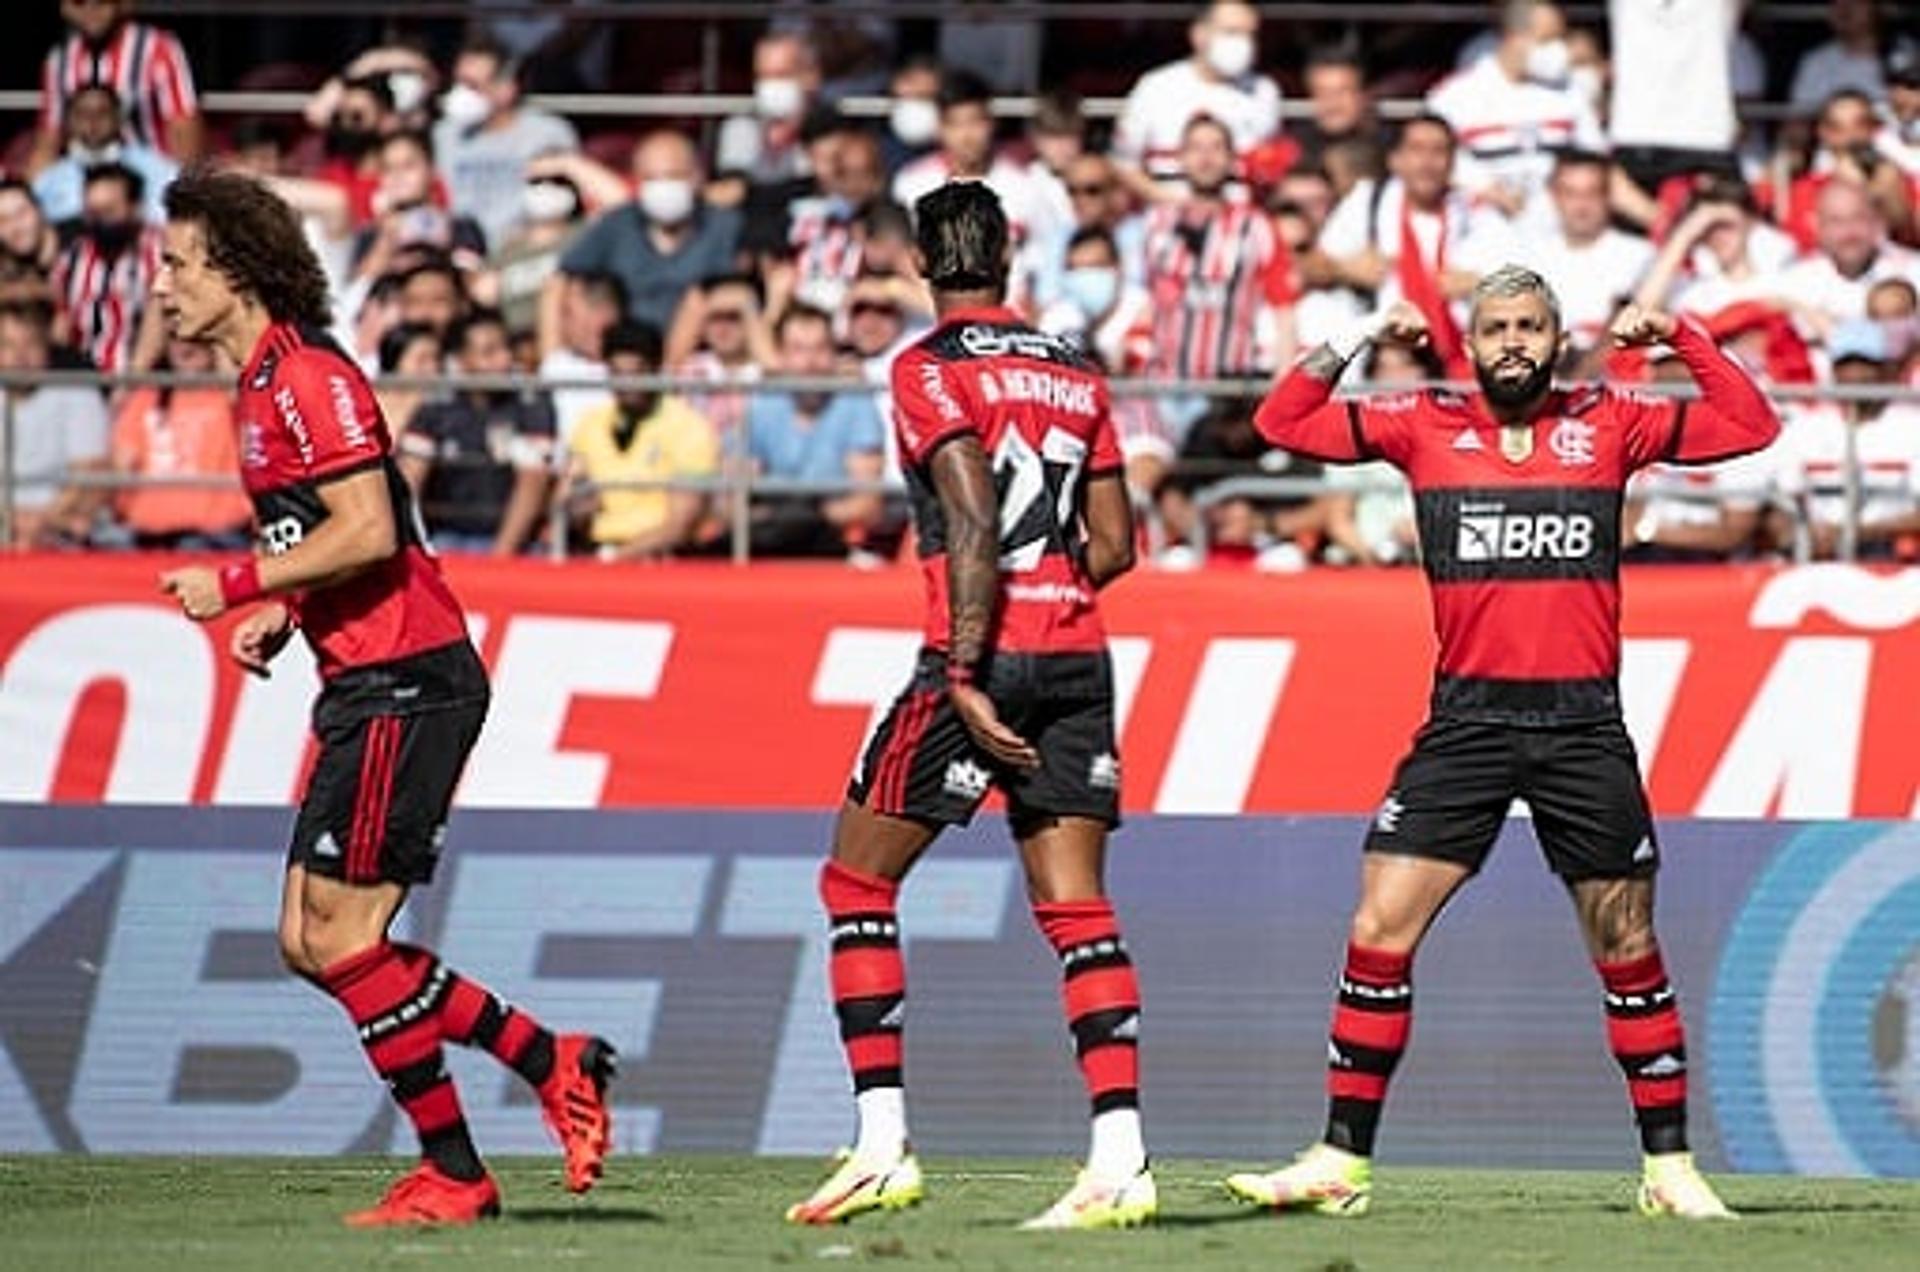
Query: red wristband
240	582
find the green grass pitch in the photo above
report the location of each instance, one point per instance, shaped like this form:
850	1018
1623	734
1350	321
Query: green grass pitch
280	1215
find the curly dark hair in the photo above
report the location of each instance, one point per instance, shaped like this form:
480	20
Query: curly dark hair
255	240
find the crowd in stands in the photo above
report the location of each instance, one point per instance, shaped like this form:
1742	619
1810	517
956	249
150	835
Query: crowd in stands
470	233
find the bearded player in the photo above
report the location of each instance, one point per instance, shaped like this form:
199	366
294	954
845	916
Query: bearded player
1518	492
1022	514
343	561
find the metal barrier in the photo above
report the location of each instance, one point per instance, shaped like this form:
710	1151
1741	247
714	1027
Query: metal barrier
739	486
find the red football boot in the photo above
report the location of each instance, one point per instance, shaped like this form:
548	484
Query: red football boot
573	1100
427	1195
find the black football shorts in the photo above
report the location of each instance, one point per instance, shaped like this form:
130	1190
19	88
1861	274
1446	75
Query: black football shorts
923	765
394	738
1581	782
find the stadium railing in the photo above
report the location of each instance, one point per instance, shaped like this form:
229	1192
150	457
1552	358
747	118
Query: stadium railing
738	486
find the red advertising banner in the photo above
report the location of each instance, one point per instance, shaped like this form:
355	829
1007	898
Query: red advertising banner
1751	691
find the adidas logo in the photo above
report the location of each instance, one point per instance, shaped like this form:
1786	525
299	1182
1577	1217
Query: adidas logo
326	846
1104	774
1665	1066
1387	820
1644	852
1467	440
896	1017
1336	1057
1127	1029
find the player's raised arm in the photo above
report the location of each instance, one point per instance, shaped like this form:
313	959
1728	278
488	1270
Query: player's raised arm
1732	416
1298	414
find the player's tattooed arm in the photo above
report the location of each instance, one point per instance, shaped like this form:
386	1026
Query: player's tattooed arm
1324	362
964	481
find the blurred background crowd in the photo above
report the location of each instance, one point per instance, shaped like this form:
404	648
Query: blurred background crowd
1197	194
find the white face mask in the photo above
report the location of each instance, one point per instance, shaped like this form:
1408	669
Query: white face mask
409	89
1587	81
1230	53
1548	62
465	106
915	120
778	98
87	156
548	201
667	201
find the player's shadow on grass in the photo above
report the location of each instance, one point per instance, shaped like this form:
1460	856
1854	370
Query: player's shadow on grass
583	1214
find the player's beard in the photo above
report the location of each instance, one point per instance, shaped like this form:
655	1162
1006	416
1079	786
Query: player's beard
1508	395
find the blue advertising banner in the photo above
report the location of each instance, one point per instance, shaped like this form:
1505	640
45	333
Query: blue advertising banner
143	1008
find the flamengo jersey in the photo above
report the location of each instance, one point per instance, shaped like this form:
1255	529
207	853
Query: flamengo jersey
1522	550
307	416
1041	411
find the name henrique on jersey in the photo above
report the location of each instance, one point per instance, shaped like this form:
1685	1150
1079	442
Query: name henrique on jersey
1522	550
1042	412
307	417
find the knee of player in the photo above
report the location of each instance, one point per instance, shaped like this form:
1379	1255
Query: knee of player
1375	928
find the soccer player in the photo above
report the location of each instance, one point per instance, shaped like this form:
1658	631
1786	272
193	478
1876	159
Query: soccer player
1016	480
343	561
1518	491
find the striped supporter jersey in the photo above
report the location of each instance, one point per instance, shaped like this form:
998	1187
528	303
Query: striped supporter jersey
1041	411
1211	280
145	67
1521	539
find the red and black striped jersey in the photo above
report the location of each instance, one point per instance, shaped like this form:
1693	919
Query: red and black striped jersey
1520	527
1042	412
145	67
103	294
307	416
1211	279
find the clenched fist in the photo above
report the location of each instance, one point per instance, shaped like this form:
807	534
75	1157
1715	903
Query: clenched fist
1636	327
1403	324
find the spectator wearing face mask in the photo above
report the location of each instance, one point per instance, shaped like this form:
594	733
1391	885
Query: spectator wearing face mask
640	437
102	278
913	121
409	218
480	462
1218	80
666	240
94	136
1514	110
146	67
1098	308
766	145
552	217
487	137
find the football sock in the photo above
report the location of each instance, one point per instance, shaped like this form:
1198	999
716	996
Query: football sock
1649	1043
1102	999
393	998
869	981
470	1015
1371	1020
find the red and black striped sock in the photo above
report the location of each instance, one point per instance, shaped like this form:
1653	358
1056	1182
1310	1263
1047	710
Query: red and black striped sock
868	976
1648	1040
1102	997
1372	1018
393	995
472	1016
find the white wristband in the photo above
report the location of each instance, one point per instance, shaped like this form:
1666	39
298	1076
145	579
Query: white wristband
1356	335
